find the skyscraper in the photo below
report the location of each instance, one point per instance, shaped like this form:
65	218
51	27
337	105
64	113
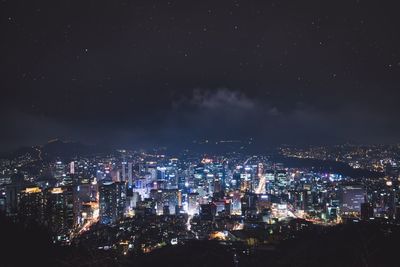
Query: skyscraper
59	171
236	207
130	174
59	210
30	204
351	199
193	205
123	178
112	201
72	167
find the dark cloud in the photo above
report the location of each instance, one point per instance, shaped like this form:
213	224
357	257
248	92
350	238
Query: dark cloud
211	114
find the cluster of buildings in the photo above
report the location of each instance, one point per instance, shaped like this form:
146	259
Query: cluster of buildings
150	200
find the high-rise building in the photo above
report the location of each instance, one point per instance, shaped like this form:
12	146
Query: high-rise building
282	178
207	211
123	178
165	198
112	200
59	210
193	204
351	199
245	182
31	204
248	204
12	197
236	206
130	174
72	167
59	171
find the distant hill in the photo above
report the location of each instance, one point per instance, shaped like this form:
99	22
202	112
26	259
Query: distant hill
66	150
57	149
19	152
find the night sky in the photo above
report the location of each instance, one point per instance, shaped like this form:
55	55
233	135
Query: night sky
142	73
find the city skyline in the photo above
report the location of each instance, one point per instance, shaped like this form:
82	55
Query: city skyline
126	206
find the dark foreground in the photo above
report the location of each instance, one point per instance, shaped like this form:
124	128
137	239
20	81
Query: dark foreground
357	244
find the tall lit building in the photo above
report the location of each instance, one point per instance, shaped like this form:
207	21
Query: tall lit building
236	206
123	178
245	182
72	167
59	210
130	174
282	178
351	199
111	201
31	204
166	199
12	197
59	171
193	203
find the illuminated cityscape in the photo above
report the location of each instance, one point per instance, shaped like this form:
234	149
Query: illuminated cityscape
130	203
199	133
